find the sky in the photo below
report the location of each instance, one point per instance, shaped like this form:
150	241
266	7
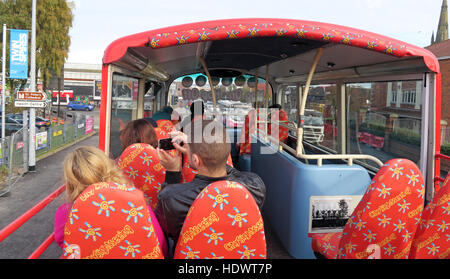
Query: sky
98	23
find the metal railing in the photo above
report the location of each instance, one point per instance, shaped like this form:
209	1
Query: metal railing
14	148
299	152
13	226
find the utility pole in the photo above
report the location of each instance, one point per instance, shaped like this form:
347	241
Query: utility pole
32	141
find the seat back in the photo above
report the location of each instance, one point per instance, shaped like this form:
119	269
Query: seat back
224	222
140	163
275	130
432	239
165	125
160	133
110	221
249	128
385	220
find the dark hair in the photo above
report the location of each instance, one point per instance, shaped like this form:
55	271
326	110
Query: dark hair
197	107
276	106
151	121
209	140
138	131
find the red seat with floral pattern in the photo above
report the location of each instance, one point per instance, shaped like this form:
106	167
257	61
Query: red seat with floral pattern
432	239
283	132
140	163
249	129
385	220
224	222
110	221
165	125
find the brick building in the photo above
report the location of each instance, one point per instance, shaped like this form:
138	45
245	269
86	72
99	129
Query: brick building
442	52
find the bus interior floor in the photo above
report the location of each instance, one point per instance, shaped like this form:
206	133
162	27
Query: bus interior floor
275	249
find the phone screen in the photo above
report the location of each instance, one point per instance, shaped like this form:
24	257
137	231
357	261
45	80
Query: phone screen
166	144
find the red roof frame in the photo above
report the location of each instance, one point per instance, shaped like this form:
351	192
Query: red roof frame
252	27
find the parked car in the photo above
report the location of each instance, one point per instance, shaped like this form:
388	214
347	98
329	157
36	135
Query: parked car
39	122
74	105
11	126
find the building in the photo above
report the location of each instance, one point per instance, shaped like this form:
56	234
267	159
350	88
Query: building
81	79
440	47
442	52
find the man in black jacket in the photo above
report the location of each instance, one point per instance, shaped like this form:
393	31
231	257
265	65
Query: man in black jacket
207	153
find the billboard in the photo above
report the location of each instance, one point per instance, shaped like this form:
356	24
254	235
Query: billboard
18	61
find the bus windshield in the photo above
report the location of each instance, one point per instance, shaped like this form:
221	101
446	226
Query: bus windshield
235	96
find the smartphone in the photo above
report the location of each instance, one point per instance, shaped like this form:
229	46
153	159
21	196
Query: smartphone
166	144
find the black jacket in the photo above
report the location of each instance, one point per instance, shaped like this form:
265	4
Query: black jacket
175	198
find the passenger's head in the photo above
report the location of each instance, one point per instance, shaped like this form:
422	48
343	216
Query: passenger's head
151	121
197	108
138	131
87	165
167	109
208	145
275	106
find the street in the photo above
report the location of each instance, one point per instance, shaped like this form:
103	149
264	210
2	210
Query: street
27	192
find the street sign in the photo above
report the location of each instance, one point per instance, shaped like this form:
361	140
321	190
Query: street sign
31	96
29	104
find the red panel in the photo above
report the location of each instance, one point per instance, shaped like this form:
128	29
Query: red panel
437	161
103	105
244	28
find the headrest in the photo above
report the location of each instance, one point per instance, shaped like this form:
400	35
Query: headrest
110	221
141	165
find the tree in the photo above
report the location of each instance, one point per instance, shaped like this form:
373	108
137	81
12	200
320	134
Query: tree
343	208
53	21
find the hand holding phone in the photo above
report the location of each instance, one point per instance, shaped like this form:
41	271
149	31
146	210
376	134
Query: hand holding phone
166	144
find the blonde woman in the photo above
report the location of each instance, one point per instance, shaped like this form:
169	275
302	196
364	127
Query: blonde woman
85	166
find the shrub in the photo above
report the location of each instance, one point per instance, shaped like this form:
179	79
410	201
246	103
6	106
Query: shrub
407	136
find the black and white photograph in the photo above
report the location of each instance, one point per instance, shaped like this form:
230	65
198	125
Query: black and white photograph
330	213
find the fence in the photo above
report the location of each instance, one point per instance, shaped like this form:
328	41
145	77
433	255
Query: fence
14	148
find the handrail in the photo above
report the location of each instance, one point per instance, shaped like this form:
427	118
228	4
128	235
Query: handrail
13	226
44	245
318	157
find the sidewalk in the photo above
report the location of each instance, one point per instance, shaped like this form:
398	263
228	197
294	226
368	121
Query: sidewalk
27	192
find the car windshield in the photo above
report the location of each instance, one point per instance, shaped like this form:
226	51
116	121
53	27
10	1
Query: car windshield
313	118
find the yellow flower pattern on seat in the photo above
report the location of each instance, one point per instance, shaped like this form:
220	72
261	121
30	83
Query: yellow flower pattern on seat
224	222
112	222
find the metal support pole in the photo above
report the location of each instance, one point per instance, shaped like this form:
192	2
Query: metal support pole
32	141
3	81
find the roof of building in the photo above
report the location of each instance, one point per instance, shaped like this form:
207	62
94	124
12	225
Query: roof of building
441	49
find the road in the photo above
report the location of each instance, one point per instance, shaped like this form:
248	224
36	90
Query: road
28	191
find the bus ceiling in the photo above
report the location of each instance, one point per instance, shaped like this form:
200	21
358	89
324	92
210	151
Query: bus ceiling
287	46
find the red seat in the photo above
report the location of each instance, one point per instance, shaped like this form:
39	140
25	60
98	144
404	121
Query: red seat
110	221
283	132
165	125
245	146
385	220
140	163
432	239
224	222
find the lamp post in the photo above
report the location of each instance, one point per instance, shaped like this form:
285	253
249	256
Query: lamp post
32	141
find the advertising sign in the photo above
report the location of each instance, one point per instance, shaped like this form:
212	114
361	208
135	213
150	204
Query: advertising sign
18	62
41	140
89	124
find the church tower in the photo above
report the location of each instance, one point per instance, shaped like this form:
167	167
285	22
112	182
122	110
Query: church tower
442	32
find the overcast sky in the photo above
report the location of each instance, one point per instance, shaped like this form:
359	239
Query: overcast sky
98	23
